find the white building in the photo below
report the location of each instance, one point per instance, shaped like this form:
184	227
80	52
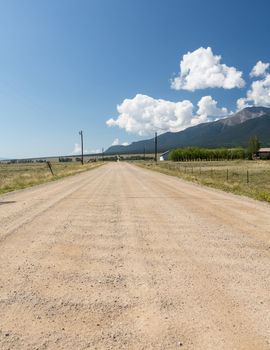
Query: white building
164	156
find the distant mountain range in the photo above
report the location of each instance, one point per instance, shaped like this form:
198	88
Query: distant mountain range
232	131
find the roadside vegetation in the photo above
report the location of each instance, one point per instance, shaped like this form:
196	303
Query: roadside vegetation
243	177
21	175
196	153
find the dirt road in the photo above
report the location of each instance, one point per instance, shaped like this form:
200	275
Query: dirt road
125	258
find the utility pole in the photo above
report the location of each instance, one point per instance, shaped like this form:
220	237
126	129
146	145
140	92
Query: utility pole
155	146
102	154
81	133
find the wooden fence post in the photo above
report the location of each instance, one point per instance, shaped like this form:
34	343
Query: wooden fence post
50	167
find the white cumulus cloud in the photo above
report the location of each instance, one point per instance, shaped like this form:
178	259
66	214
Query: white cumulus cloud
208	111
77	148
93	151
208	106
258	94
259	69
202	69
143	115
242	103
115	142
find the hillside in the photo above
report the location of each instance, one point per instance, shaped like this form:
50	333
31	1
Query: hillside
233	131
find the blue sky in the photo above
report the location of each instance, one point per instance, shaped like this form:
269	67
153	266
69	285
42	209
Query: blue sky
66	65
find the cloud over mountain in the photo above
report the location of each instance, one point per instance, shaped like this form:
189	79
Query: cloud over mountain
202	69
116	142
259	92
144	115
208	106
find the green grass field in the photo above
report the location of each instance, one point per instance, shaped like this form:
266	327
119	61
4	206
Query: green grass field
243	177
18	176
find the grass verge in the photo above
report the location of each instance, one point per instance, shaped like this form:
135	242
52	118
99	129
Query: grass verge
18	176
242	177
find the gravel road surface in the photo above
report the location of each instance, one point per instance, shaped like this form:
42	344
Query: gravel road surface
125	258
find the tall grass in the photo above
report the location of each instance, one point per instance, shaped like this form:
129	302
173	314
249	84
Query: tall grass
18	176
243	177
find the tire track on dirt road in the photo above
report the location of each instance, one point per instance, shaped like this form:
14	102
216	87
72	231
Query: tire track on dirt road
33	202
125	258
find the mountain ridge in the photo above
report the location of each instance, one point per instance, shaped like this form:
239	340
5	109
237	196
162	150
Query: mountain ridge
232	131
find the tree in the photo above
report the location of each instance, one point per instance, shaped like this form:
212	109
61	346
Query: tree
253	146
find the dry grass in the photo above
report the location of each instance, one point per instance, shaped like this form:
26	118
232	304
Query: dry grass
249	178
18	176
